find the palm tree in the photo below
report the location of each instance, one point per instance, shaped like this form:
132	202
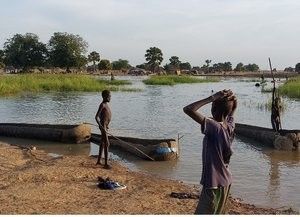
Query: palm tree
94	57
175	62
154	57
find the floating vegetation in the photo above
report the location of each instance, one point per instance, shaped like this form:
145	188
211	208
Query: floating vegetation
16	84
291	88
175	79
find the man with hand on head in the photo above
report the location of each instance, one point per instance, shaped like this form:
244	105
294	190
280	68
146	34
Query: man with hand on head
219	133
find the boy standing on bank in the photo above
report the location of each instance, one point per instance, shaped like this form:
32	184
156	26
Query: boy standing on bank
103	118
219	132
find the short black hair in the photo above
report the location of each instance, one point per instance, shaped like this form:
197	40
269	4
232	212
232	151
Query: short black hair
105	93
223	106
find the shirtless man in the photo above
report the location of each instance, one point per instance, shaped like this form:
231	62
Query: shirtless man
103	118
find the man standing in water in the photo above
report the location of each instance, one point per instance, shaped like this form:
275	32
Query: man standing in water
219	132
103	118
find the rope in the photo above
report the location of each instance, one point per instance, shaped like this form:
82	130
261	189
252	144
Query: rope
123	142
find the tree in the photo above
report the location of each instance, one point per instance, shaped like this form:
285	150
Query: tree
142	66
297	68
2	59
94	57
24	51
227	67
174	61
206	68
185	66
120	64
1	56
251	67
239	67
67	50
154	57
207	62
289	69
104	65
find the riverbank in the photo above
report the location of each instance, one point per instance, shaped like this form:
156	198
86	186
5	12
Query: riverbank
32	182
266	74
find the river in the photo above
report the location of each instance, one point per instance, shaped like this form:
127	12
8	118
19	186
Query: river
262	176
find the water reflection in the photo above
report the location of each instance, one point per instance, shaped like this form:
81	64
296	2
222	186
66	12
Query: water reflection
50	147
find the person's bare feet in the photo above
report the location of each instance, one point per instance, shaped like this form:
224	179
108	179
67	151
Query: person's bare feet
107	166
98	162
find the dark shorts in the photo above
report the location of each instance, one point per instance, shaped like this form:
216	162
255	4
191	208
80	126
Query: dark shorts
213	201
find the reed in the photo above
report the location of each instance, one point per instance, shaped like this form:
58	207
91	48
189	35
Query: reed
16	84
175	79
291	88
268	105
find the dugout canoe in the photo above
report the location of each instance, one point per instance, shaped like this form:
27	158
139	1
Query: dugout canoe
148	149
53	132
284	140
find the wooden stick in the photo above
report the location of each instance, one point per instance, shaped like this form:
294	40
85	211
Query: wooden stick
124	142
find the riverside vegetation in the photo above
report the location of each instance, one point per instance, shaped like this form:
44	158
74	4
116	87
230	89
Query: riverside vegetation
291	88
16	84
175	79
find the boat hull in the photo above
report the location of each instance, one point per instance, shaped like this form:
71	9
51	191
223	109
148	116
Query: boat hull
285	140
59	133
148	149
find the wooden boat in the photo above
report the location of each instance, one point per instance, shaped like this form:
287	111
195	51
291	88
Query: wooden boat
285	140
60	133
149	149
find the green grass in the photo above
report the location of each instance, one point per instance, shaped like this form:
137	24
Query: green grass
16	84
175	79
291	88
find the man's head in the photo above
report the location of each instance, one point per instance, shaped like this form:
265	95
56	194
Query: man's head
106	95
221	108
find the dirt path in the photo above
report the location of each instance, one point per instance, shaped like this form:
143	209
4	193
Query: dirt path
31	182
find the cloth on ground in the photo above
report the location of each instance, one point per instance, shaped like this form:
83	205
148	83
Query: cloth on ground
109	184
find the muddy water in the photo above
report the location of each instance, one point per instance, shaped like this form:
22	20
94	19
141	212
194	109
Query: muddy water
261	176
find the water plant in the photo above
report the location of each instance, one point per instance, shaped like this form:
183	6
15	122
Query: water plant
267	106
175	79
16	84
291	88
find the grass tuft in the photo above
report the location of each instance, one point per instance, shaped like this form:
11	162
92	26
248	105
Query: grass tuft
291	88
175	79
16	84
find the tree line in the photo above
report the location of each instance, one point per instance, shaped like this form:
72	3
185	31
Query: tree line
65	50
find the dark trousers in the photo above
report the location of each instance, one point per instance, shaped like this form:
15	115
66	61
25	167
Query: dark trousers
213	201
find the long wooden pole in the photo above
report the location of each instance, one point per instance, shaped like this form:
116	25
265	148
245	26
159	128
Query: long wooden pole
273	97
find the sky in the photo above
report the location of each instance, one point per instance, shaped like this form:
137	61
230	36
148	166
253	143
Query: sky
247	31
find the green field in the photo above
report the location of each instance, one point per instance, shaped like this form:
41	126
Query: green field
291	88
175	79
16	84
